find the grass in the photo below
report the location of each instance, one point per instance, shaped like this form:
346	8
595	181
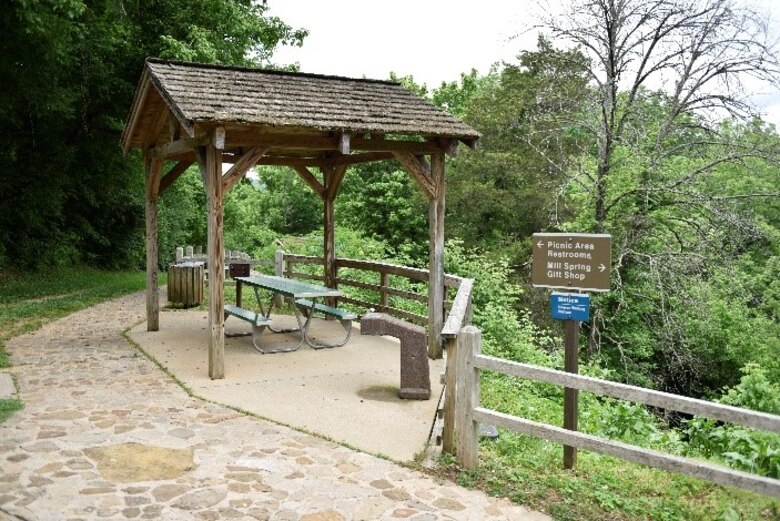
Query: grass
29	300
530	471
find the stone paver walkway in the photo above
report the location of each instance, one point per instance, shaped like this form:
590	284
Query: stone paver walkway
106	435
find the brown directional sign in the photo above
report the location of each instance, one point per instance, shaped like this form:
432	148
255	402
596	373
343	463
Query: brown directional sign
572	261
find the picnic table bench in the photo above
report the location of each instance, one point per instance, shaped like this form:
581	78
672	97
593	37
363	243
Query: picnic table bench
304	296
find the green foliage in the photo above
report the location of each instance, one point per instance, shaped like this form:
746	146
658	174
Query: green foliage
740	447
500	194
383	203
70	69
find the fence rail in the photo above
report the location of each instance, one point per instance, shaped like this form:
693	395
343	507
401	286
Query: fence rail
381	286
469	363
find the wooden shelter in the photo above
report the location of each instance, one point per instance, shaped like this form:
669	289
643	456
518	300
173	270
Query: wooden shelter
184	113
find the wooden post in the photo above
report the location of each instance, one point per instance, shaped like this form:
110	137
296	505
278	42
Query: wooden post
469	344
211	167
332	178
383	297
329	247
279	272
179	254
450	398
570	396
279	263
436	262
188	252
153	172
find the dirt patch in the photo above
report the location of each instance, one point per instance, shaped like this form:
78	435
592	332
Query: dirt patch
380	393
131	462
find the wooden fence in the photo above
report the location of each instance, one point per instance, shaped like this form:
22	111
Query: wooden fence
382	285
469	362
190	254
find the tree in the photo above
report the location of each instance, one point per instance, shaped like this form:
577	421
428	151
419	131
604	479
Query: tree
668	115
699	52
69	71
506	190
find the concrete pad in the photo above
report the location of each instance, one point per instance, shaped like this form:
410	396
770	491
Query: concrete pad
7	389
349	393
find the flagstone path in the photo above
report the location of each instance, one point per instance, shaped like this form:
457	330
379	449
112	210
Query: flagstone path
105	434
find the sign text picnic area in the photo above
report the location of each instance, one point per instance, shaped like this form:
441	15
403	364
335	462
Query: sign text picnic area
571	261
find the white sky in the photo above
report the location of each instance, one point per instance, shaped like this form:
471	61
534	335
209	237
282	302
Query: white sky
432	40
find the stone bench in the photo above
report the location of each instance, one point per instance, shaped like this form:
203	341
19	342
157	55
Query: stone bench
415	374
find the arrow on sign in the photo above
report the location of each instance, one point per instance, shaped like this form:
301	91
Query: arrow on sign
540	244
602	267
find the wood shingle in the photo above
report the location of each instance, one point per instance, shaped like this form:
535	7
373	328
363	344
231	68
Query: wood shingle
203	94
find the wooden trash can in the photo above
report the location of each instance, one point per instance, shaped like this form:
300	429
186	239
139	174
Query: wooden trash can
185	284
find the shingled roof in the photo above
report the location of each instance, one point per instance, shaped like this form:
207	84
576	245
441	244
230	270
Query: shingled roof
198	93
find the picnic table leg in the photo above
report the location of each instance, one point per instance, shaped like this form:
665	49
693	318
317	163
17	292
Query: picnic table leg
267	313
308	312
239	287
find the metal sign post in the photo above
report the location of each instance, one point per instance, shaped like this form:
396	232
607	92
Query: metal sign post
572	261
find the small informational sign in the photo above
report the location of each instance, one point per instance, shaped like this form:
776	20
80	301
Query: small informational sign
570	306
572	261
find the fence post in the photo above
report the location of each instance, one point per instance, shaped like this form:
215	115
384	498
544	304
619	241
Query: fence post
179	254
279	263
188	252
383	291
279	272
450	400
469	344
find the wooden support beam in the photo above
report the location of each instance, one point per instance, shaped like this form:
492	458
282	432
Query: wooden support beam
153	170
355	159
210	160
240	167
333	181
311	180
292	161
218	138
344	140
238	138
449	146
329	233
436	258
182	146
420	171
173	174
471	143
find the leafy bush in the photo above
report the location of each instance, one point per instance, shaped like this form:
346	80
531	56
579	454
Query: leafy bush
741	447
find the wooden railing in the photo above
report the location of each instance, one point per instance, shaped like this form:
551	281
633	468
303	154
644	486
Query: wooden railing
381	286
190	254
470	361
459	316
